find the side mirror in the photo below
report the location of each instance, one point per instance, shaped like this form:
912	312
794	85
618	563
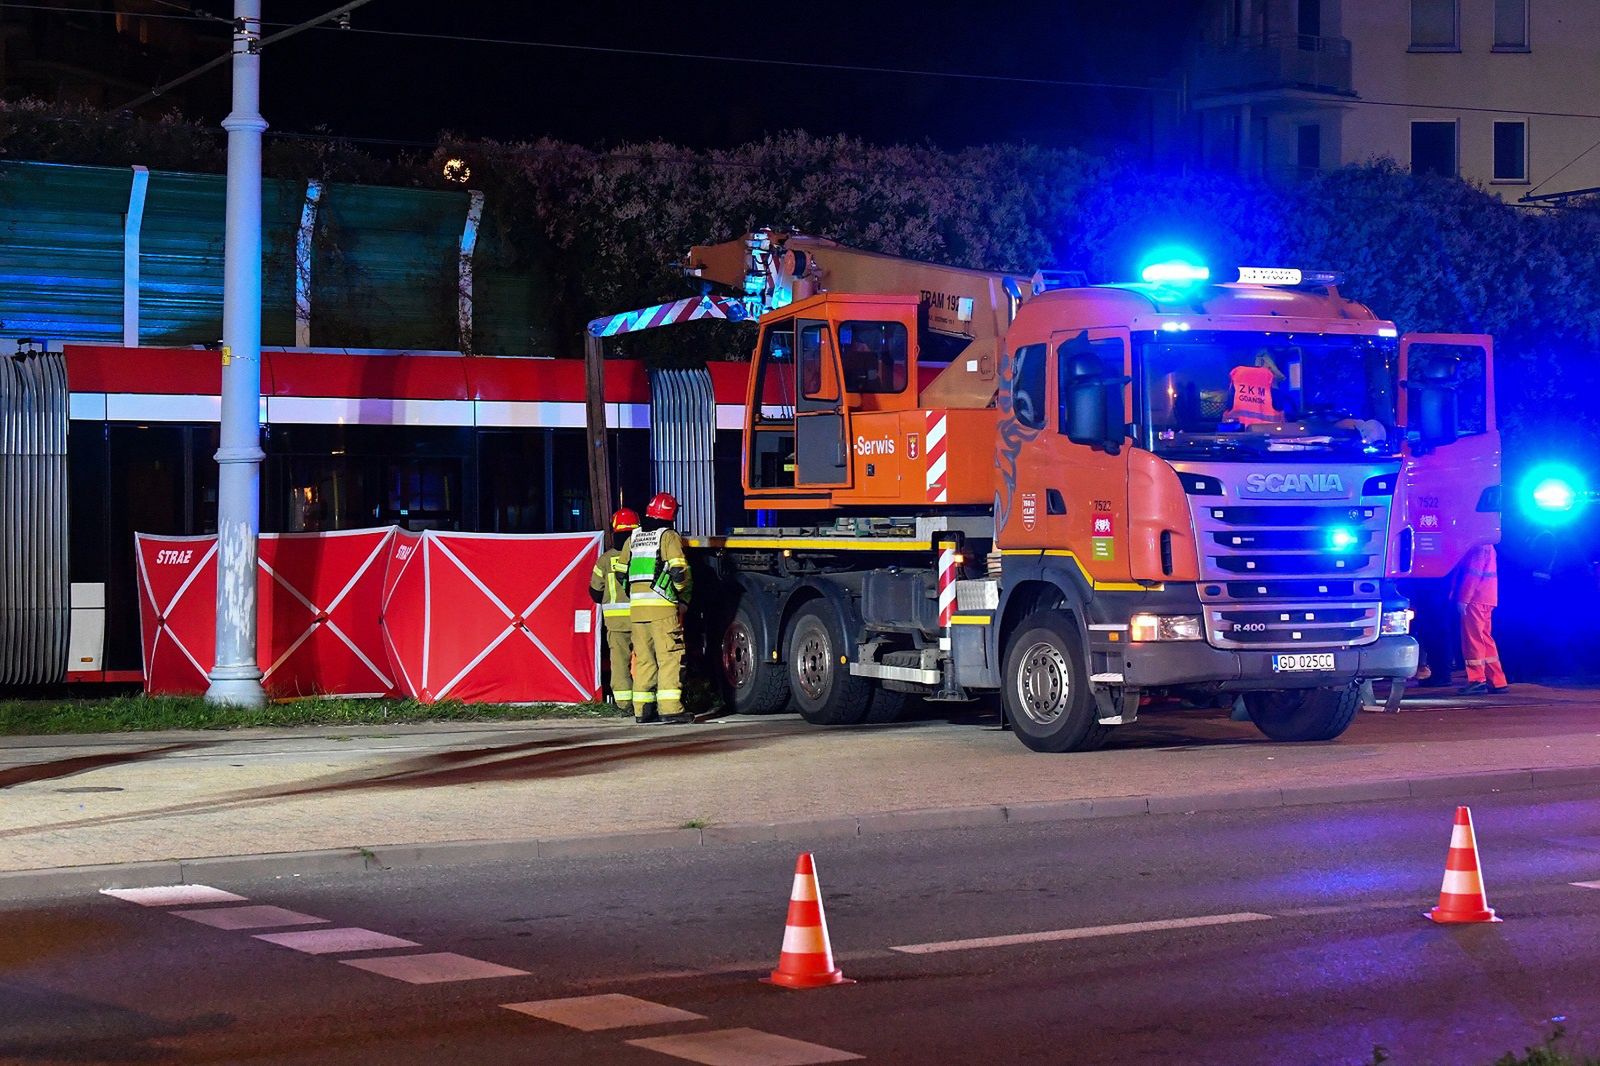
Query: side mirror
1092	405
1436	408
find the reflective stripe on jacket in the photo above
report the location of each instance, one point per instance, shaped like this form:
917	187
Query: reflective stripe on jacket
610	579
1477	578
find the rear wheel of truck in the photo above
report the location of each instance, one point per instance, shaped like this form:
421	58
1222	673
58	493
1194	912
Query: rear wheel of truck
1046	687
1304	714
820	683
753	683
887	706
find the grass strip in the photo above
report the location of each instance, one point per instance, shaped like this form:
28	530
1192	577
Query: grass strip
120	714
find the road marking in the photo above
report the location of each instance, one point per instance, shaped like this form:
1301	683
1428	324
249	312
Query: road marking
335	941
172	895
593	1013
1084	933
1585	884
436	968
742	1047
248	917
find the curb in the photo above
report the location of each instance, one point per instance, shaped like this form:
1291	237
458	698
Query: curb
39	884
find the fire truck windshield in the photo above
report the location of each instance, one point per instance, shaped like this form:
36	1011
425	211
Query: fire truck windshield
1224	392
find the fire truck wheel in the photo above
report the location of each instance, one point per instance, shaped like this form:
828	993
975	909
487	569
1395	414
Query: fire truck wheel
1304	714
820	685
1046	687
752	682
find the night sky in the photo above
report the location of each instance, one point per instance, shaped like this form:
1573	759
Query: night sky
363	85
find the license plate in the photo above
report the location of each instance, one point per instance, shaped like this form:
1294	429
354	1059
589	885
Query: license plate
1289	664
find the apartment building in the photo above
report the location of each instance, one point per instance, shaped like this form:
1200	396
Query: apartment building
1505	93
104	53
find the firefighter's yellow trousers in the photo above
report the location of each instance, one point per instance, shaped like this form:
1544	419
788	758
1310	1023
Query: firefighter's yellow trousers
619	643
657	662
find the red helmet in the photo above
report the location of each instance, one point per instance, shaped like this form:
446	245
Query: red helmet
626	520
663	506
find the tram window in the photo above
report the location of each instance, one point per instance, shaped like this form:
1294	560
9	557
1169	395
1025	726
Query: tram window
424	494
512	480
87	500
328	493
572	481
202	502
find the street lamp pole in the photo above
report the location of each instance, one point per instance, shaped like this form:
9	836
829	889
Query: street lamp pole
236	677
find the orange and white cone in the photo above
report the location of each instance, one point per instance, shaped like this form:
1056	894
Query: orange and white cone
807	958
1461	898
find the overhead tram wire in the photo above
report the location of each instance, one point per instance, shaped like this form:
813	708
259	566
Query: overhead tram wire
227	56
319	23
706	57
909	72
194	12
53	9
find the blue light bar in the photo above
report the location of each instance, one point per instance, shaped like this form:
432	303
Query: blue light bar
1175	272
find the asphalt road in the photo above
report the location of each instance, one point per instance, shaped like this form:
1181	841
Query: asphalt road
1302	942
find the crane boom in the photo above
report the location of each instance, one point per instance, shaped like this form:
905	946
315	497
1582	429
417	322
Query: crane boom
965	312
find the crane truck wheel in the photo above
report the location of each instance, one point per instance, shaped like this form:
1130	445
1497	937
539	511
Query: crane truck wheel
820	685
752	683
887	706
1046	687
1304	714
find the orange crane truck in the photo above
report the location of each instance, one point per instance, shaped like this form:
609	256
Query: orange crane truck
1081	497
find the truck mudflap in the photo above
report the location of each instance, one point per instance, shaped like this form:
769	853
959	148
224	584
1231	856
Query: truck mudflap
1157	664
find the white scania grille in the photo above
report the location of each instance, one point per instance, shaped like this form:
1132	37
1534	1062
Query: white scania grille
1291	573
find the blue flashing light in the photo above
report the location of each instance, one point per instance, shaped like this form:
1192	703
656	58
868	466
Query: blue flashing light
1174	264
1554	494
1341	539
1175	272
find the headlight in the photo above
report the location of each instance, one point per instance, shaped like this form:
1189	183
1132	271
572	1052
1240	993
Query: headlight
1396	623
1148	627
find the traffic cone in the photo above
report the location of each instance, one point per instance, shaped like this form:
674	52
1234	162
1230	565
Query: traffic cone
807	958
1461	898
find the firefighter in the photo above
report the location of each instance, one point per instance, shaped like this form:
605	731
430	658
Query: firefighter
608	586
1252	391
1477	592
658	595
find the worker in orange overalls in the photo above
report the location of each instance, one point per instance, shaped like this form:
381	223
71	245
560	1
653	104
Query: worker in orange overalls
1476	591
1252	391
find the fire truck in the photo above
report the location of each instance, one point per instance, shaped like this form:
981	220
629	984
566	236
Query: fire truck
1068	495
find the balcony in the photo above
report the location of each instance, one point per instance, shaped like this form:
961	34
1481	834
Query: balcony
1274	62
